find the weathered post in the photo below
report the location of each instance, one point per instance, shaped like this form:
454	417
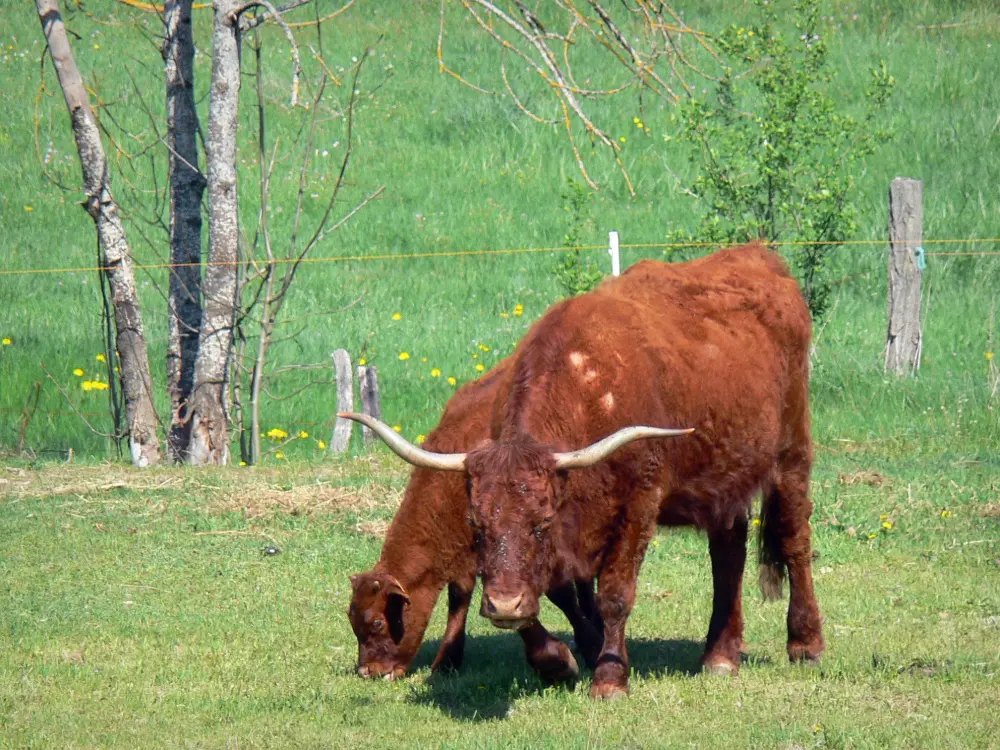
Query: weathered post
341	438
368	383
904	342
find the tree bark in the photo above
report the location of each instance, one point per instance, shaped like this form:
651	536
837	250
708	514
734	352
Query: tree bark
116	255
209	443
187	184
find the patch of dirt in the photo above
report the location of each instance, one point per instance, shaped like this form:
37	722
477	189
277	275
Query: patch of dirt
375	527
869	478
990	510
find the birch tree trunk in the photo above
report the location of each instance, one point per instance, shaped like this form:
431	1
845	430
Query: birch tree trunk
187	184
209	443
116	255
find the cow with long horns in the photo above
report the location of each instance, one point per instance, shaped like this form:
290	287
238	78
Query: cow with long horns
429	545
718	344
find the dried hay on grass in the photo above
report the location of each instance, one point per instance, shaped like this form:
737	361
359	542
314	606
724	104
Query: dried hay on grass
256	492
304	500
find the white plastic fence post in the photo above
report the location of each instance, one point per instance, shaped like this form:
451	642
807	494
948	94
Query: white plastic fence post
616	267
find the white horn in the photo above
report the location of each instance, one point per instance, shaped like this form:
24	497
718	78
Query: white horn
407	450
603	448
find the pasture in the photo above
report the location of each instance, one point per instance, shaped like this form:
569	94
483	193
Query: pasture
143	609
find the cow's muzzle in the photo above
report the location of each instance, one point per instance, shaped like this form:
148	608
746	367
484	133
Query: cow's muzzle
509	612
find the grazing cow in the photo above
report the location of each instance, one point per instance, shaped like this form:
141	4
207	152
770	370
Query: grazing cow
430	544
719	344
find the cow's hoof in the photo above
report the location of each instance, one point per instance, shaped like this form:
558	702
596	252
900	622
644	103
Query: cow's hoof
721	667
561	668
565	672
608	691
805	653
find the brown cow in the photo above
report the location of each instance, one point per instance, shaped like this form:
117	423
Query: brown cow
430	544
719	344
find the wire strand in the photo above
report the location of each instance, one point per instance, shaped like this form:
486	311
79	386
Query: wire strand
504	251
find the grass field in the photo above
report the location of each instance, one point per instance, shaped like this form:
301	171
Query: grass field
140	609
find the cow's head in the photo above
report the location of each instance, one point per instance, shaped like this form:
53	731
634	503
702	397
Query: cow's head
378	606
515	492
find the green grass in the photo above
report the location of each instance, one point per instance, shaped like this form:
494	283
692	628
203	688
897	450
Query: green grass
466	172
139	609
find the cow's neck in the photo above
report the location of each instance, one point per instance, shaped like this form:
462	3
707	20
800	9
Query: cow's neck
427	534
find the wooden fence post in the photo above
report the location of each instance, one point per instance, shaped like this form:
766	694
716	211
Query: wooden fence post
368	383
341	438
904	342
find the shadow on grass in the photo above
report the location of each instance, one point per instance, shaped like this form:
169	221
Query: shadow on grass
495	672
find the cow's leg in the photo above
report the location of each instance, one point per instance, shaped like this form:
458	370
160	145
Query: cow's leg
616	596
452	651
585	595
728	548
547	655
786	540
588	637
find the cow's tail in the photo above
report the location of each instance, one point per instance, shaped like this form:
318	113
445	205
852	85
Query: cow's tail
771	574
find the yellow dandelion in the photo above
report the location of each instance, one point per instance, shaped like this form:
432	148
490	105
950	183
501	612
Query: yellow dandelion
420	439
749	33
636	120
435	372
397	316
887	525
362	361
97	46
303	435
480	367
640	125
87	385
276	433
504	315
451	380
873	535
243	463
279	455
397	428
78	372
29	209
403	356
424	360
884	517
755	522
483	347
945	514
6	341
989	355
101	358
623	139
321	444
475	356
99	385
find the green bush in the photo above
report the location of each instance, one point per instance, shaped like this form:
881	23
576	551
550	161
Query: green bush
776	154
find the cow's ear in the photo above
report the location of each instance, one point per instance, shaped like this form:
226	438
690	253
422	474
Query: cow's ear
395	589
355	580
394	606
